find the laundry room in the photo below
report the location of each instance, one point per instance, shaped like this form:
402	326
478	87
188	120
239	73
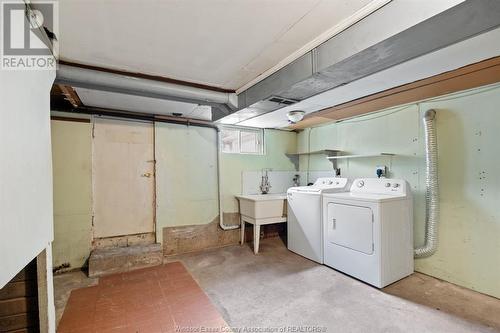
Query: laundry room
271	173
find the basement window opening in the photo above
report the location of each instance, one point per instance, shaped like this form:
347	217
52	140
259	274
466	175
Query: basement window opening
236	140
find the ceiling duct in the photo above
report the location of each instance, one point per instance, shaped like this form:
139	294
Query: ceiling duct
392	35
222	102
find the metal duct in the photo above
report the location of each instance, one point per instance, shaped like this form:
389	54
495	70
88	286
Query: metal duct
431	188
390	36
99	80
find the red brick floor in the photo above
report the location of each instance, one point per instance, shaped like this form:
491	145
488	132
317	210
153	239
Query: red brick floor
159	299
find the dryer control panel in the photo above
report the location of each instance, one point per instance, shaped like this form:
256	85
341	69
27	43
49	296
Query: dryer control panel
380	186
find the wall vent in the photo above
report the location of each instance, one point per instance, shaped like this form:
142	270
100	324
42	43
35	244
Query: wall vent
282	100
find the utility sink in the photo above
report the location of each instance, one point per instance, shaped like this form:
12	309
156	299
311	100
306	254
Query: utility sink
261	209
262	206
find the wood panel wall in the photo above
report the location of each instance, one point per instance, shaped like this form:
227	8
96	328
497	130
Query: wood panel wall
18	302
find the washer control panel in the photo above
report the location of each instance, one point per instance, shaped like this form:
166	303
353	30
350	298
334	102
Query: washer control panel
330	182
379	186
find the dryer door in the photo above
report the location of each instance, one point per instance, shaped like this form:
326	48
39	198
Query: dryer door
350	227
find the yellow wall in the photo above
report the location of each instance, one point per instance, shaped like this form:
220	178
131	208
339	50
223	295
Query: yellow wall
468	124
71	164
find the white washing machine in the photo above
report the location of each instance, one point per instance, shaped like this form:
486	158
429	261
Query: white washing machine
304	215
369	230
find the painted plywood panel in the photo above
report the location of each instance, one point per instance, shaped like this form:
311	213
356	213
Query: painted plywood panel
72	174
469	156
25	169
186	174
123	183
468	124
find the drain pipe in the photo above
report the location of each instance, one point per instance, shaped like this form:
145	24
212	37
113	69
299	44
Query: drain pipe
431	188
219	181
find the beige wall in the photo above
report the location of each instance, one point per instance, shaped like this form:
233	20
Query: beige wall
71	161
469	157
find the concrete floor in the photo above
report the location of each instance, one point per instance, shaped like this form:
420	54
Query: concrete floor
278	288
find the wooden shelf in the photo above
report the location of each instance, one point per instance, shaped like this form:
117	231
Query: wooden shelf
358	156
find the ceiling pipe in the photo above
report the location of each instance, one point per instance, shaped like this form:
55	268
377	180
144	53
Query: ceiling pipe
89	110
131	85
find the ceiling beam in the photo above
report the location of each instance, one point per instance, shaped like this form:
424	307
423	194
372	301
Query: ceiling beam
70	95
467	77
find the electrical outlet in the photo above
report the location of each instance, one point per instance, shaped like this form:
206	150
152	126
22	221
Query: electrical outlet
381	171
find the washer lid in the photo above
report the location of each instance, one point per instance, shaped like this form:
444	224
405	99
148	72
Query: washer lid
370	197
305	189
321	185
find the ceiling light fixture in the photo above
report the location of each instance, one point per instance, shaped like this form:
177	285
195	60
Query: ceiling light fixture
295	116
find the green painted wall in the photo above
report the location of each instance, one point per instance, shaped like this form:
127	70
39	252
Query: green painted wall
468	124
71	164
186	179
186	175
277	144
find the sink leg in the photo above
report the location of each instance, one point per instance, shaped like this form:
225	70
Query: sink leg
242	230
256	238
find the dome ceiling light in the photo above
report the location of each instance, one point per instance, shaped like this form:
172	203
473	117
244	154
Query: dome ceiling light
295	116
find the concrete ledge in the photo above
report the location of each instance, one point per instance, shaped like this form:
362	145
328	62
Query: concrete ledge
123	259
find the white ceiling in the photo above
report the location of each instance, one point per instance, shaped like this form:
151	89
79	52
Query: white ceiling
222	43
116	101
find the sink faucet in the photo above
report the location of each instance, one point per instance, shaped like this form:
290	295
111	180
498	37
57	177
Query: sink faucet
265	186
296	180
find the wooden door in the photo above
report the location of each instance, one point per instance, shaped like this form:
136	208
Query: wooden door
123	177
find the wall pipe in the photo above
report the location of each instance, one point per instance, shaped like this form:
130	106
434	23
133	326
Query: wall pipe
89	110
431	188
131	85
219	178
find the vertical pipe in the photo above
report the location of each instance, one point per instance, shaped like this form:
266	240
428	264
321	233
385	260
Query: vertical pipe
219	187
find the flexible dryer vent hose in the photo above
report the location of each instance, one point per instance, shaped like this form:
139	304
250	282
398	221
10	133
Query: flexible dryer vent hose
432	188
